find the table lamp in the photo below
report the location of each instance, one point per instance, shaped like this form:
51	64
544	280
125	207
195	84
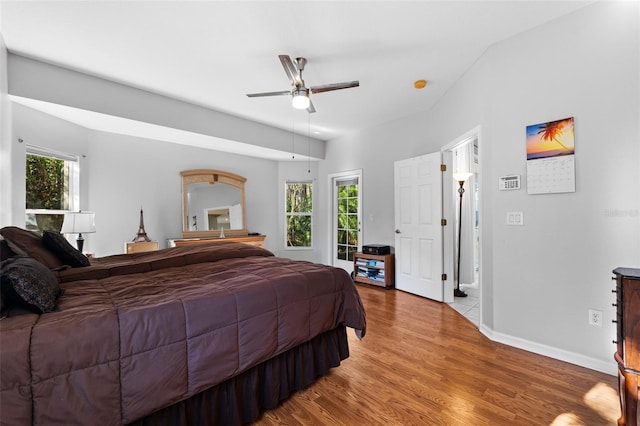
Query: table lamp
78	223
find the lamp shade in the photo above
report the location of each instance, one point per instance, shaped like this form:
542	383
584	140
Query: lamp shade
462	176
79	223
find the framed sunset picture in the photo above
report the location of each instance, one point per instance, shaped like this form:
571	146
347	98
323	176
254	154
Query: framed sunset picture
551	139
551	157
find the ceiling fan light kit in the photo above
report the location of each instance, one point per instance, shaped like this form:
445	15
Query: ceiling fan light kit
301	99
299	92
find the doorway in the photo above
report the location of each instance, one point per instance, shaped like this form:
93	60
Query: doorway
463	237
346	217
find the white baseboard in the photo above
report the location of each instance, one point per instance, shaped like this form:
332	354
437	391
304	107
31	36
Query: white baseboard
560	354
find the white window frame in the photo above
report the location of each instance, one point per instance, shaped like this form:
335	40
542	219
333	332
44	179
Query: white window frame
286	214
74	177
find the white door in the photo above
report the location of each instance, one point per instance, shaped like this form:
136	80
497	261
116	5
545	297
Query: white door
346	219
418	214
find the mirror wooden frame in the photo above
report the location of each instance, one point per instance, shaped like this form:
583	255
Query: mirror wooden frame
211	176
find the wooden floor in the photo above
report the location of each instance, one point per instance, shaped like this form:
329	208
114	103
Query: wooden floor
422	363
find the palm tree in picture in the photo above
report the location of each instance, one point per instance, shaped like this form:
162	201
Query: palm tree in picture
552	130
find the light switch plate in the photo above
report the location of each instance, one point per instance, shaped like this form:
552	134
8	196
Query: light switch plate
515	218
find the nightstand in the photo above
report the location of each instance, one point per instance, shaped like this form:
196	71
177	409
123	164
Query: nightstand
140	247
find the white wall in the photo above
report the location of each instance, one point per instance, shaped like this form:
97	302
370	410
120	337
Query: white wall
374	151
539	280
119	174
560	262
5	138
149	173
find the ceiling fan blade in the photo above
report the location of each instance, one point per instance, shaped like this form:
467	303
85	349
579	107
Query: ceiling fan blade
290	69
334	86
311	109
259	95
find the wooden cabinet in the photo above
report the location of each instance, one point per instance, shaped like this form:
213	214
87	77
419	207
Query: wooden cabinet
628	342
375	269
254	240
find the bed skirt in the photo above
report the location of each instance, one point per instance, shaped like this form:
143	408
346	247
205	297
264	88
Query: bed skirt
241	399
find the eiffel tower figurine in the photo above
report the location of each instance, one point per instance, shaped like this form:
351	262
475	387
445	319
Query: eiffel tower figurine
141	237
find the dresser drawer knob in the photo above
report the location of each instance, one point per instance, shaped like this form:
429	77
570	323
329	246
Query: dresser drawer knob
614	321
615	342
614	304
614	291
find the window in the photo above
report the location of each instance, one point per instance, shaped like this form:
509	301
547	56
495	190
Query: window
299	214
52	183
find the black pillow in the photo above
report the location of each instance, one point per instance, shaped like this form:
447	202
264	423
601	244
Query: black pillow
25	281
67	253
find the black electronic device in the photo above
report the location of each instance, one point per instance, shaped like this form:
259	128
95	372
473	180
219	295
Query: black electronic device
376	249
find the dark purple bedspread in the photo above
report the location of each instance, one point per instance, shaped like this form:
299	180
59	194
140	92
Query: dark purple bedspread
136	333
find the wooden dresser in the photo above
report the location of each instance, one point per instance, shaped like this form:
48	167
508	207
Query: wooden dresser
254	240
628	342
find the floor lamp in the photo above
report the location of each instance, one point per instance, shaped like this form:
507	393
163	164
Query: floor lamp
461	178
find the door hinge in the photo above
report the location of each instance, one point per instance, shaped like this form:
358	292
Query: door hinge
444	277
443	167
443	222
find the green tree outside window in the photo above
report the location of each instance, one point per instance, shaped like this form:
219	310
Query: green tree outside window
299	209
47	188
347	221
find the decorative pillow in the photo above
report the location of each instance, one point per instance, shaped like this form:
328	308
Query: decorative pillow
59	245
26	281
30	243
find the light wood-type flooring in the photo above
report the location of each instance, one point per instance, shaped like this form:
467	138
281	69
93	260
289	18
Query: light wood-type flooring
423	363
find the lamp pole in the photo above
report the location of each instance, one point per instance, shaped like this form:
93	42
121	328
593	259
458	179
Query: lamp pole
461	178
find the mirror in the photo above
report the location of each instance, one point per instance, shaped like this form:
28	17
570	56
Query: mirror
212	203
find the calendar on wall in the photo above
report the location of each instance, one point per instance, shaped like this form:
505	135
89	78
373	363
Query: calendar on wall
551	157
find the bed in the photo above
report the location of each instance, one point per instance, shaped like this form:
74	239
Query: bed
203	334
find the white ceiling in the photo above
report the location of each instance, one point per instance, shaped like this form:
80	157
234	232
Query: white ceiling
212	53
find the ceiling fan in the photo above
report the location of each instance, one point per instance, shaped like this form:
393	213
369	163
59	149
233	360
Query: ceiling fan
299	92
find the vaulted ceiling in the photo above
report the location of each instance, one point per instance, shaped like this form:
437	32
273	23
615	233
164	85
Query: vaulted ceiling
212	53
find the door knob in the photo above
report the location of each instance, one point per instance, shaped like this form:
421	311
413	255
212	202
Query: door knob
397	231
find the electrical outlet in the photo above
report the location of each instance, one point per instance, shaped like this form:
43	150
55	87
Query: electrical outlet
595	317
515	218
